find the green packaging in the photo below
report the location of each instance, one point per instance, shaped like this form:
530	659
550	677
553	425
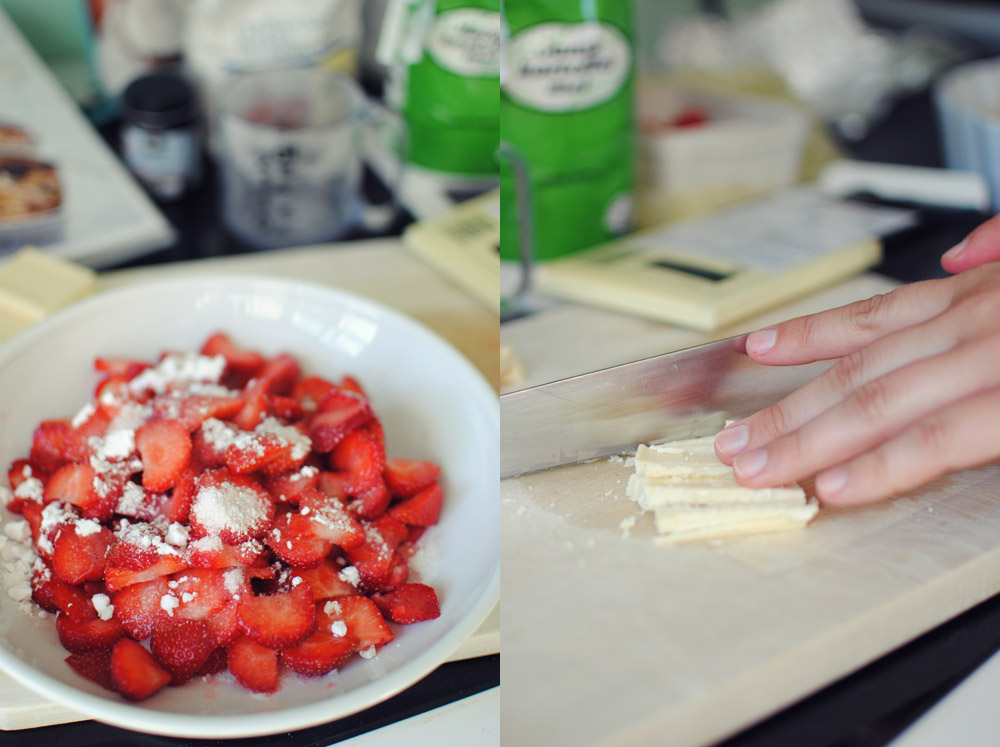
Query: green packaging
566	125
445	83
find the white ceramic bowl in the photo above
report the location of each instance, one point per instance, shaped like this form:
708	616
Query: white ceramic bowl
432	402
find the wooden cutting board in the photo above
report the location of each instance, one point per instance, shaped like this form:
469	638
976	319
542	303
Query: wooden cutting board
612	639
381	270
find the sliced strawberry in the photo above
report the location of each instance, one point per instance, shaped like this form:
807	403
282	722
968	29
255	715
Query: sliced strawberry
20	470
234	507
205	452
279	374
319	653
254	666
372	503
204	592
375	561
56	442
32	513
94	666
327	581
330	520
362	617
339	413
280	620
238	359
350	384
165	449
113	386
73	601
254	408
409	603
286	487
138	607
79	636
225	624
72	483
182	647
215	663
134	671
206	553
80	552
293	539
360	459
376	431
285	408
119	578
422	509
137	546
333	484
404	477
120	366
258	451
178	506
392	530
43	586
196	409
309	392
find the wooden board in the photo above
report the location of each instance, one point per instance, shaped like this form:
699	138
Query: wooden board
381	270
613	639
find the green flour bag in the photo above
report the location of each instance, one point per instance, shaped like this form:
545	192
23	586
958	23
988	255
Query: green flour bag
567	170
444	61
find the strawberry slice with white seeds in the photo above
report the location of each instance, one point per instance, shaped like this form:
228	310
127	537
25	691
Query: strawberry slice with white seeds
134	671
165	449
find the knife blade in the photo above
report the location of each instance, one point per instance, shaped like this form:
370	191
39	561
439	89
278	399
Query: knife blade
683	394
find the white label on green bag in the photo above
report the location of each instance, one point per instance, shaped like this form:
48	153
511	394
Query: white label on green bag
466	41
561	67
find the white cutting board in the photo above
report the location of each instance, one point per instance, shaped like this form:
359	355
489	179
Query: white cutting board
612	639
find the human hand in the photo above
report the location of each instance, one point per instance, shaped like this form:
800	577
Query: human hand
978	248
915	393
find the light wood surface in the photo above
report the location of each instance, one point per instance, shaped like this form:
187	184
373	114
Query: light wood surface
613	639
381	270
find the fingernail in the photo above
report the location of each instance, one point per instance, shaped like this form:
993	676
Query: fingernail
955	250
751	463
732	440
761	341
830	483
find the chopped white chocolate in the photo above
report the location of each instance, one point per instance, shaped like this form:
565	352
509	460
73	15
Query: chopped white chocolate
693	495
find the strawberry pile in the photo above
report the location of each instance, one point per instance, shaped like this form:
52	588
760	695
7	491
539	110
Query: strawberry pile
219	511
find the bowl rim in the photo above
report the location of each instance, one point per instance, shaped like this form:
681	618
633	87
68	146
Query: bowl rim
144	720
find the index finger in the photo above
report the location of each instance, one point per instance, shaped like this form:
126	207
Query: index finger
841	331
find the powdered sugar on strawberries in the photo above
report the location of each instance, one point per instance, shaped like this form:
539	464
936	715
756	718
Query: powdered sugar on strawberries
30	489
221	436
145	536
168	603
131	500
102	603
301	444
235	508
338	628
177	368
86	527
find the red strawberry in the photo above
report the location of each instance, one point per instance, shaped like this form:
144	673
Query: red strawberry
293	539
319	653
404	477
55	443
165	449
254	408
350	384
330	520
234	507
98	421
285	408
309	392
136	546
204	554
215	663
377	563
178	507
333	484
254	666
94	665
362	617
72	483
259	451
20	470
372	503
392	530
43	587
73	601
287	486
80	636
339	413
422	509
409	603
225	625
279	374
32	513
239	360
80	552
360	459
138	607
280	620
204	452
121	366
134	671
206	592
182	647
119	578
327	581
196	409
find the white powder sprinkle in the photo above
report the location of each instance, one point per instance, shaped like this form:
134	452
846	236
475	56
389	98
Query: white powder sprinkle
30	489
177	535
234	580
18	530
86	527
338	628
83	415
102	603
132	499
179	368
168	602
234	508
368	653
350	575
301	444
332	607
